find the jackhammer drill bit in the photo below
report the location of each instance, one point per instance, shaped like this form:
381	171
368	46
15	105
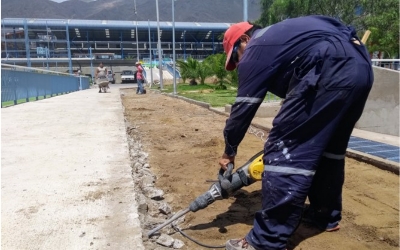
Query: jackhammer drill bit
200	202
170	220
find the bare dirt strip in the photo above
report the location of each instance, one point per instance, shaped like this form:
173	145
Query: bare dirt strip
184	142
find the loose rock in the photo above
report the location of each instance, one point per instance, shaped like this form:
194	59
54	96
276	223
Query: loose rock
142	203
164	208
153	193
165	240
178	244
147	181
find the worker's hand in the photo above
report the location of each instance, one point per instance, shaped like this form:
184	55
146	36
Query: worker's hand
225	160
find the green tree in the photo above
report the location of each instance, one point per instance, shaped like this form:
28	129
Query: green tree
183	77
279	10
189	69
266	15
217	65
203	71
233	77
381	17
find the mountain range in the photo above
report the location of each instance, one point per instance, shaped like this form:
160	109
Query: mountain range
216	11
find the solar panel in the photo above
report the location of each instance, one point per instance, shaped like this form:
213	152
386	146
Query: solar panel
382	150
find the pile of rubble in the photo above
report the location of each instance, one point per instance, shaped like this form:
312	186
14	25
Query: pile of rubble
152	208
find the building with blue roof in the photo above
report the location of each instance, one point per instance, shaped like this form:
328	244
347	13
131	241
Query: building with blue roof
59	39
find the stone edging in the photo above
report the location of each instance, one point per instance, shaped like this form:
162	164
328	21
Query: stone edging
152	209
370	159
373	160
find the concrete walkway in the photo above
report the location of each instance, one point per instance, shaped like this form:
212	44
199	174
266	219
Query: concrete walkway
66	176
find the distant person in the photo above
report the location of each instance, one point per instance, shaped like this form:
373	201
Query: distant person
139	78
78	72
101	77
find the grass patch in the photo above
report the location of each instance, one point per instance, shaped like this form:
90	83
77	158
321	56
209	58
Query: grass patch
19	101
207	93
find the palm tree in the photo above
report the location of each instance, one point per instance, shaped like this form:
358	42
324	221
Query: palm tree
189	69
233	77
217	64
204	70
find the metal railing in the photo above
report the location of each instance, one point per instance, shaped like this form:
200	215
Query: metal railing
170	69
24	84
387	63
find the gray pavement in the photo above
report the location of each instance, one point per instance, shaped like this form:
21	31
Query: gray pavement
66	176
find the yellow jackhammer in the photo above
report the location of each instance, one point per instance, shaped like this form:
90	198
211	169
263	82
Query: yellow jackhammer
227	184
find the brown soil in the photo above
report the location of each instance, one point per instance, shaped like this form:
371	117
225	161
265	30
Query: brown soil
185	141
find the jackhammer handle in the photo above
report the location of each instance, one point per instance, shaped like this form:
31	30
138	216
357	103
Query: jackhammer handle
224	176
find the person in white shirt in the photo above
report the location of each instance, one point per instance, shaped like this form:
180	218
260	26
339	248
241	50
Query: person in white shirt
101	77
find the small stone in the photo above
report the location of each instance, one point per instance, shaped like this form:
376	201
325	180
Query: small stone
178	244
142	203
154	194
143	155
147	181
165	240
165	208
142	160
137	166
153	208
145	171
381	238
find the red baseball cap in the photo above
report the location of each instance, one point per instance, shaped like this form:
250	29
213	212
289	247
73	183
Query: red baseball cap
231	36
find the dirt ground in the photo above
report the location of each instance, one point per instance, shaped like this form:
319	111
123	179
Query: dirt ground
184	142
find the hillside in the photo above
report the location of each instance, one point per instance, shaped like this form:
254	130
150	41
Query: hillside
185	10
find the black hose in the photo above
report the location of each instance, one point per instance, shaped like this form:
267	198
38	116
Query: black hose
195	241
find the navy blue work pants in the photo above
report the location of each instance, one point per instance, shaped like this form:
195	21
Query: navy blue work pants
305	151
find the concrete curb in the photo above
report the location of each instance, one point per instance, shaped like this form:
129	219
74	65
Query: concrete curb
373	160
202	104
370	159
218	111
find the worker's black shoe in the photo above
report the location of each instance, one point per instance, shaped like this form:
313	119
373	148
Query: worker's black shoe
315	218
238	244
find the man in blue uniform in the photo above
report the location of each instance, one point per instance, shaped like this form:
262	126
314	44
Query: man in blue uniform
323	71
